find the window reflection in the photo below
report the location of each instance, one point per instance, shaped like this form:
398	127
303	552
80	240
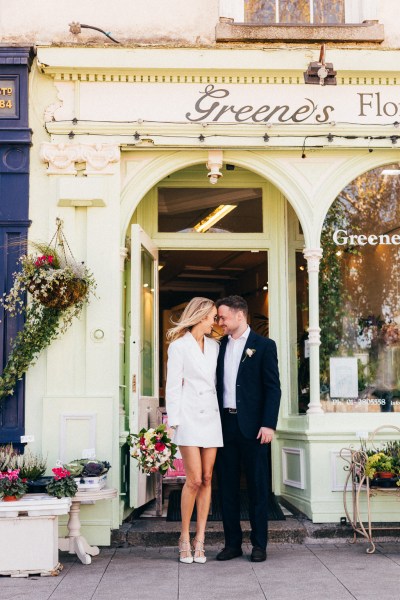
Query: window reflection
359	292
294	11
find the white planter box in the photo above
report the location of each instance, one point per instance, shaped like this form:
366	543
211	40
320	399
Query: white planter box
29	535
92	483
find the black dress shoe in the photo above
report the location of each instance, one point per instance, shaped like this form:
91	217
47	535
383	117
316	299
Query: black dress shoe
229	553
258	554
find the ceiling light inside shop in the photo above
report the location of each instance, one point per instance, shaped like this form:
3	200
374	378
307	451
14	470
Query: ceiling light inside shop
216	215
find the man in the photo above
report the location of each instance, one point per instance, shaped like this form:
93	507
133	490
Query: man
249	395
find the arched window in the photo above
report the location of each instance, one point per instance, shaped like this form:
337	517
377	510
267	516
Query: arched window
360	296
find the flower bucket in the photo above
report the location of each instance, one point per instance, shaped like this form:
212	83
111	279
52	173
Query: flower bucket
61	294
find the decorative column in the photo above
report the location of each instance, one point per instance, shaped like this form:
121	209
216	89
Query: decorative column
313	257
123	255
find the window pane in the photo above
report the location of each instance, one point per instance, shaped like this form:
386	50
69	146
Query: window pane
360	296
303	357
328	11
294	11
147	354
259	11
210	210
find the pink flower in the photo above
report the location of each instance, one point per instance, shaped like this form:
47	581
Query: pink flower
159	446
60	473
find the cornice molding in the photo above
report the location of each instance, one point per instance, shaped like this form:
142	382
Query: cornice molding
104	75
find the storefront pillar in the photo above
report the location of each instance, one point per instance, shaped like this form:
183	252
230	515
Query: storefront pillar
313	257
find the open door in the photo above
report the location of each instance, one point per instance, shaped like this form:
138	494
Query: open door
143	353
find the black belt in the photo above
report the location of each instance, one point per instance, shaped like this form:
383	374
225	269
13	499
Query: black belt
231	411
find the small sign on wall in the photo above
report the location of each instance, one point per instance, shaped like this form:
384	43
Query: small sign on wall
8	101
343	374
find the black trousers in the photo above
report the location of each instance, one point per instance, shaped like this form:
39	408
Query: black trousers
237	450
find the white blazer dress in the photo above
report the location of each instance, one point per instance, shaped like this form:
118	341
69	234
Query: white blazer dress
191	397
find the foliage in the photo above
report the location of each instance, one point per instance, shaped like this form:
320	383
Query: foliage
11	484
31	466
63	484
59	290
84	467
153	449
379	461
7	454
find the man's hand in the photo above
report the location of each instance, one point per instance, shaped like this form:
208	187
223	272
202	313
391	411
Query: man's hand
266	434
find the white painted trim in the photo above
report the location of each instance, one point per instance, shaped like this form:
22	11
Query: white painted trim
232	9
64	418
290	482
336	486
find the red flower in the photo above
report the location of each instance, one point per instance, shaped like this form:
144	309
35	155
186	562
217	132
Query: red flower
60	473
159	446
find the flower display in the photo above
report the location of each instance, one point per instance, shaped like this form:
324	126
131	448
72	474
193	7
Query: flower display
11	484
378	462
63	484
59	287
153	449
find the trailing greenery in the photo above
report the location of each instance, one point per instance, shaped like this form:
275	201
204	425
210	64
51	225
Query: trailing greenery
59	290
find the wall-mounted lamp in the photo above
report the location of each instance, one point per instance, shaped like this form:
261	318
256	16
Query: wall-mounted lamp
320	73
214	165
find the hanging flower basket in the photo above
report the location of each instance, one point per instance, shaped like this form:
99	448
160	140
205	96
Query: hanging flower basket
60	293
59	288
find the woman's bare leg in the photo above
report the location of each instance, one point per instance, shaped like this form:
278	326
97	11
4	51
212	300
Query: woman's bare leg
193	468
204	493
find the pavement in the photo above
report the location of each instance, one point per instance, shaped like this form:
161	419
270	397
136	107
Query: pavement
332	570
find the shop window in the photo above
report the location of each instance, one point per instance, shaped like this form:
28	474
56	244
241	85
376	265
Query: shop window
294	11
210	210
360	296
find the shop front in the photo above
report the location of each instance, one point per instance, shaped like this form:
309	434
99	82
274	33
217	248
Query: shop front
202	179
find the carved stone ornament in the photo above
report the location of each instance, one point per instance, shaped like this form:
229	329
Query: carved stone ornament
314	338
98	157
313	257
61	158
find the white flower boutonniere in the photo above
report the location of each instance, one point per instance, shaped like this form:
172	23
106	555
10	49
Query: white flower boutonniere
249	353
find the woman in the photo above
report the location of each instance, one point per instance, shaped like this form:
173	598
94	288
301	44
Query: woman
193	412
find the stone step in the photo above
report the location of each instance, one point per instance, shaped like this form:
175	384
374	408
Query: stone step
156	531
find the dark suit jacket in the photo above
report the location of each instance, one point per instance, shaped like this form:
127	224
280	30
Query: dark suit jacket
258	391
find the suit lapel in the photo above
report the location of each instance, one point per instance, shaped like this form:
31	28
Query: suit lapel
249	344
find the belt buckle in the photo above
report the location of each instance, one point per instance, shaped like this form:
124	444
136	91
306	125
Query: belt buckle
232	411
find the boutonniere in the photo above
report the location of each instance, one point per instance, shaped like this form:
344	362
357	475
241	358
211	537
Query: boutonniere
249	353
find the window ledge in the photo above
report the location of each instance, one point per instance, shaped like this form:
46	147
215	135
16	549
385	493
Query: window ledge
229	31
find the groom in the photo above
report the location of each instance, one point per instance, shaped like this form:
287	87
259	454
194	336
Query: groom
249	395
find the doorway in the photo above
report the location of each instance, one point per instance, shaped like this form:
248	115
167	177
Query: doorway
214	274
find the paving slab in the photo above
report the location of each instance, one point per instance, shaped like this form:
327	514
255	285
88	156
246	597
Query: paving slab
318	571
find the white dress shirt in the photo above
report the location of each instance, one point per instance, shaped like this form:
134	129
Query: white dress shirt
233	355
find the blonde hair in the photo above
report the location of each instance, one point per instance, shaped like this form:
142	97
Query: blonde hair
197	309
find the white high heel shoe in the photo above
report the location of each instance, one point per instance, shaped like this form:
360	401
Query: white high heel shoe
198	549
185	552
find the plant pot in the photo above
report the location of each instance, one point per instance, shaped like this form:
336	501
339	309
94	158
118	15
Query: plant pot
61	294
383	475
9	498
38	486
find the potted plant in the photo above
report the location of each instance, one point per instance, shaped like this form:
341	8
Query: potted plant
32	468
89	473
62	485
59	288
7	454
12	487
380	465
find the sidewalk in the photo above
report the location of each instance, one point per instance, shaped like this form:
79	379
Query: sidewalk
312	571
